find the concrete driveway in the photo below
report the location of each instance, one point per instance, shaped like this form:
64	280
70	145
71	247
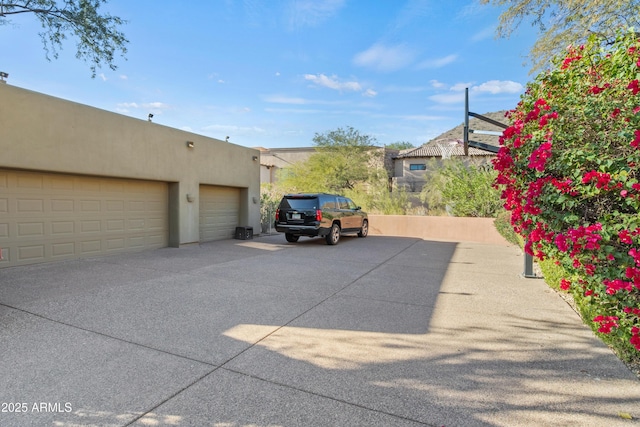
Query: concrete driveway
383	331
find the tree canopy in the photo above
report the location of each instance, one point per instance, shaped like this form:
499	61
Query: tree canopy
342	159
566	22
400	145
98	36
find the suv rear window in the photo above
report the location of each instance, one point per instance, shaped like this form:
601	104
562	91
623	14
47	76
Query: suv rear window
299	203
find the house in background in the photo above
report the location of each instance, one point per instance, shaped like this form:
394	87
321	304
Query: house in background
273	160
77	181
407	168
412	166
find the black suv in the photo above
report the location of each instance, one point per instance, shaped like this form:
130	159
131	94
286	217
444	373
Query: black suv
319	214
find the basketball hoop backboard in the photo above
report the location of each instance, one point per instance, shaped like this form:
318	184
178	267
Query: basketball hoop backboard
446	149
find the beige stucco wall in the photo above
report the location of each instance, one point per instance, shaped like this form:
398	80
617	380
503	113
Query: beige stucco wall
274	159
43	133
444	228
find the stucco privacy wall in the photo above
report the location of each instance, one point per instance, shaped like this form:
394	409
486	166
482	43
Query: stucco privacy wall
445	228
43	133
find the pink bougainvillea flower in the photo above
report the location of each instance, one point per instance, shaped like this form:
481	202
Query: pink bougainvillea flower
602	179
567	62
606	323
625	237
636	141
565	186
561	243
539	157
565	284
569	177
635	337
616	285
590	269
635	254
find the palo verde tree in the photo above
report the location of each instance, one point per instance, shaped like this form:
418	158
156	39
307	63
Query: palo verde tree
97	34
566	22
348	163
343	159
400	145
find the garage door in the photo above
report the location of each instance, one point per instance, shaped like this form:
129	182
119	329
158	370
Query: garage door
219	212
48	217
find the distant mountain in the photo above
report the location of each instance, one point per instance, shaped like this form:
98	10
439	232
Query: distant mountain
457	133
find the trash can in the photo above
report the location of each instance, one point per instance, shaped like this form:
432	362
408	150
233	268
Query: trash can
244	233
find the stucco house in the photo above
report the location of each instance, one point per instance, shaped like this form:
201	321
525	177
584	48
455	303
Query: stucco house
274	159
77	181
407	168
411	166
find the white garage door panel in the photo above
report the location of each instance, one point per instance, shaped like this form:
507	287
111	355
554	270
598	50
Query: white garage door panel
47	217
219	212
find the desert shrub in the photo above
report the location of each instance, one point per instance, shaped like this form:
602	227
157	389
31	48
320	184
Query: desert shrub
503	225
462	189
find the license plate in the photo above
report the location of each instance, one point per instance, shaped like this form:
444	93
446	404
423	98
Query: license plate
296	216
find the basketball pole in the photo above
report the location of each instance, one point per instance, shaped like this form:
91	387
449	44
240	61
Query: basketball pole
466	121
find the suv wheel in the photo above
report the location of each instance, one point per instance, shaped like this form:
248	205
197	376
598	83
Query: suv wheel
364	231
291	238
334	234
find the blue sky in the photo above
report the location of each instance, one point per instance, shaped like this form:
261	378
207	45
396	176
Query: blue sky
273	73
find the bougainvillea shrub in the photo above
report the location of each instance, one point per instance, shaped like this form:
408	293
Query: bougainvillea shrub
569	167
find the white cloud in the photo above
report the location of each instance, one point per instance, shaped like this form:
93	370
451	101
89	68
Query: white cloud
437	84
311	13
215	76
422	118
103	77
333	82
369	93
278	99
499	86
438	62
385	58
459	87
291	100
237	130
493	87
124	77
483	34
293	111
155	106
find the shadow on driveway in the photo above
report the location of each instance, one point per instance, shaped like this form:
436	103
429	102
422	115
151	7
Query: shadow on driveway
377	331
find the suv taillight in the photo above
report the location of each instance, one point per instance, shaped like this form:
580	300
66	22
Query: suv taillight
278	214
318	215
